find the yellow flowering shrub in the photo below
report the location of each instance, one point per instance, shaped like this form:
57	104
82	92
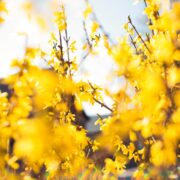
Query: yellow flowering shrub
150	66
42	134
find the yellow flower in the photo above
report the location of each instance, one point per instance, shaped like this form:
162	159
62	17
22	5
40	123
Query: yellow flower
12	162
162	48
162	156
3	7
73	46
122	54
87	11
95	145
116	167
173	76
94	26
1	19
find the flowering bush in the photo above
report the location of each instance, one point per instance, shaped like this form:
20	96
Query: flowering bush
42	133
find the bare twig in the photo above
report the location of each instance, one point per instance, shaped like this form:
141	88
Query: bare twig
48	63
145	3
67	39
142	40
102	104
102	28
97	101
61	47
100	117
169	94
133	43
88	42
86	35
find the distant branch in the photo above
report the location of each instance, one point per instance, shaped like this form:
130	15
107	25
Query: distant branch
61	47
142	40
97	101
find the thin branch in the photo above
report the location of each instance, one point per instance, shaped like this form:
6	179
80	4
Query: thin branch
88	42
148	37
86	55
86	35
48	63
67	39
145	3
133	43
102	104
153	138
102	28
97	101
142	40
100	117
61	47
169	94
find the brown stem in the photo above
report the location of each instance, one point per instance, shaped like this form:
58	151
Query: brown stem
67	45
142	40
102	28
88	42
97	101
67	39
86	35
100	116
61	46
145	3
169	94
133	43
102	104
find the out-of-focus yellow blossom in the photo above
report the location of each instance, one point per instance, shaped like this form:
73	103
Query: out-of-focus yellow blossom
107	44
87	11
31	53
152	10
60	19
95	145
116	167
166	155
4	105
3	9
3	6
122	53
27	6
31	139
73	46
1	20
162	48
176	97
41	133
173	76
41	22
149	113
